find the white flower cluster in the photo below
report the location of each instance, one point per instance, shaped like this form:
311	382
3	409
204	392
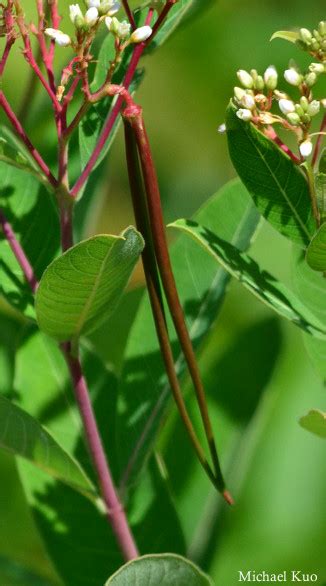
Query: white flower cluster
97	11
254	101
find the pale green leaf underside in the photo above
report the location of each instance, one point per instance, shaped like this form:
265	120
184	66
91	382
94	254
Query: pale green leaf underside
314	421
291	36
316	252
310	287
13	153
160	570
262	284
23	436
79	290
277	186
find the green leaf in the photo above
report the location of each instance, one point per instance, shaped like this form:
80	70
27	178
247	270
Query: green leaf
12	152
180	13
81	289
320	187
259	282
23	436
13	573
291	36
277	186
160	570
314	421
316	251
70	524
33	215
144	393
310	286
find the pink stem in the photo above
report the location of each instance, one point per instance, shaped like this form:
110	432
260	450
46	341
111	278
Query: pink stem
115	510
275	138
109	123
18	252
22	134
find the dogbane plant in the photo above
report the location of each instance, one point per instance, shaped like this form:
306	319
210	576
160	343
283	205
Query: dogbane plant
71	291
65	287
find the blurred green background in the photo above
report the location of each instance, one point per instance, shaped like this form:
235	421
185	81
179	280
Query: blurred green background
277	469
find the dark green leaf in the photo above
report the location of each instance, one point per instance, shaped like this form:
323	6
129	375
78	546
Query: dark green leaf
160	570
259	282
144	392
314	421
310	286
14	574
23	436
32	212
80	289
316	251
276	184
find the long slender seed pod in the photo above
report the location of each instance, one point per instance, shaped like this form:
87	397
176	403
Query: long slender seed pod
154	289
134	116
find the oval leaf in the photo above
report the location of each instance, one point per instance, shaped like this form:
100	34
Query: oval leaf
23	436
259	282
291	36
316	252
277	186
160	570
81	288
314	421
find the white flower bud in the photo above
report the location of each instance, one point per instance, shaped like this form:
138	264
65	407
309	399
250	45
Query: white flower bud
94	3
120	29
91	16
271	77
108	22
245	79
292	76
294	118
59	37
239	92
244	114
248	101
317	67
313	108
109	7
75	13
141	34
306	148
305	35
221	129
286	106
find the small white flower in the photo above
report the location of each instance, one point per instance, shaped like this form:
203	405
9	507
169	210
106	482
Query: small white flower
245	79
221	129
305	35
59	37
292	76
313	108
141	34
248	101
286	106
110	8
266	118
93	3
75	12
91	16
244	114
306	148
271	77
108	22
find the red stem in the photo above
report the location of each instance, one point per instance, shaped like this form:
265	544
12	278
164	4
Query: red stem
18	252
22	134
129	13
115	511
270	132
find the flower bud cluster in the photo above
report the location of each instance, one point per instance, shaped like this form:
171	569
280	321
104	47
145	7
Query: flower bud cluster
314	41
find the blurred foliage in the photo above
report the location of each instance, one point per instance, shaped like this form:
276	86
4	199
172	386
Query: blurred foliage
277	470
